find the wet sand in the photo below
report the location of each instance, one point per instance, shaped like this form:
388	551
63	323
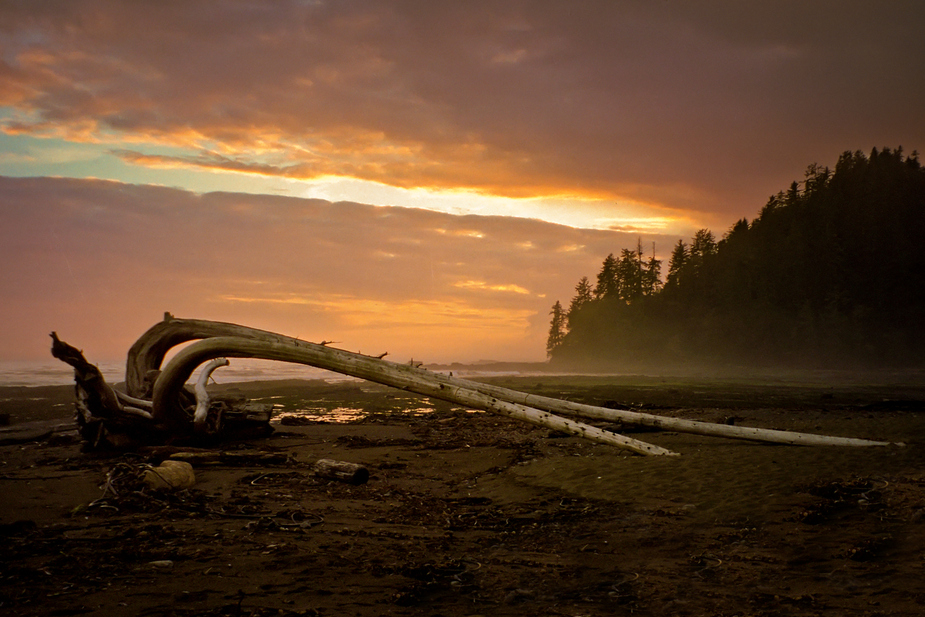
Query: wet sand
473	514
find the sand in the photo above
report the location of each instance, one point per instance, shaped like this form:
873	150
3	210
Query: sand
472	514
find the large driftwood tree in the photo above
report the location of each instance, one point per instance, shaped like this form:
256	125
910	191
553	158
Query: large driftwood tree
157	405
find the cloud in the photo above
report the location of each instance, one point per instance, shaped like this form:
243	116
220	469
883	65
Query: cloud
101	261
483	286
706	107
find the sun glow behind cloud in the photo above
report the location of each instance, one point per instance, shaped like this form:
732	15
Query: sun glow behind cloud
405	280
354	312
477	121
540	110
557	207
483	286
398	327
166	166
574	211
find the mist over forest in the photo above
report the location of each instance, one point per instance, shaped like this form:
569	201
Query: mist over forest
828	275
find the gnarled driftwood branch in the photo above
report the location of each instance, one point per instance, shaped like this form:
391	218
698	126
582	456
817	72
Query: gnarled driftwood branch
156	394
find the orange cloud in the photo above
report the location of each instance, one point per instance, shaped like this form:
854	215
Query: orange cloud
535	100
361	313
483	286
101	261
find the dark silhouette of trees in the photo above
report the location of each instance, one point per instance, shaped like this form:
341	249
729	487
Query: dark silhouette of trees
679	257
651	275
629	276
626	279
829	271
556	328
583	295
607	282
703	246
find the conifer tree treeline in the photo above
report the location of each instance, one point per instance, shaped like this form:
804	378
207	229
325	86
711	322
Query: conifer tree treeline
831	270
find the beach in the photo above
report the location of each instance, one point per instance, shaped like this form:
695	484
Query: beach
468	513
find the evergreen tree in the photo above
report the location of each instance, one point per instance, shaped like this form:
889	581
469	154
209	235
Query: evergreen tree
608	284
652	276
829	268
679	258
583	295
629	276
703	245
556	328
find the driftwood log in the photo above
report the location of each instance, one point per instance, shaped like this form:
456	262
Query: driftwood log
168	411
679	425
157	401
342	471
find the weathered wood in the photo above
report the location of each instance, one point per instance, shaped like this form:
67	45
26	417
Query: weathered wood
337	360
405	377
88	377
662	422
202	424
169	409
342	471
147	353
103	417
131	400
231	458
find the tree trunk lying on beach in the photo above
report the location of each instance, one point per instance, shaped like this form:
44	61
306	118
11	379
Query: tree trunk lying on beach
158	406
679	425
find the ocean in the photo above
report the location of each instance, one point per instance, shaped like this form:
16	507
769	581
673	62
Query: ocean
56	373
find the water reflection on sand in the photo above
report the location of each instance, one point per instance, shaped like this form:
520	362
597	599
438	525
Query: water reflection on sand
347	415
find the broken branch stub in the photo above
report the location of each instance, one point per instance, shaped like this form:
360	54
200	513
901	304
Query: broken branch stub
105	417
205	423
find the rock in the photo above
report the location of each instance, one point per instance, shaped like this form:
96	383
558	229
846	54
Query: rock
170	475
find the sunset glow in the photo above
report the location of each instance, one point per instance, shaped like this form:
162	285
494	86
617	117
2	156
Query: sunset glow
425	179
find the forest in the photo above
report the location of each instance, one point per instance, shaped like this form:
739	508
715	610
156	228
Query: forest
829	274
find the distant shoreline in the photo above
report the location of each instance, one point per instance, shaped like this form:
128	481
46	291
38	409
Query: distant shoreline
51	373
38	373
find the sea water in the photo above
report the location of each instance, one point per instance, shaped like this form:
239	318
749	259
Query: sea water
56	373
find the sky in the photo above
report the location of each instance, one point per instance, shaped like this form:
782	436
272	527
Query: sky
422	178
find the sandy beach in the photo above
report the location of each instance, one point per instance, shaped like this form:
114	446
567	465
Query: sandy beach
473	514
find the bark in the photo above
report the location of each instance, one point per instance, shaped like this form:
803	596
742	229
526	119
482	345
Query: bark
342	471
231	458
103	417
88	377
202	422
671	424
170	406
405	377
544	404
147	353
